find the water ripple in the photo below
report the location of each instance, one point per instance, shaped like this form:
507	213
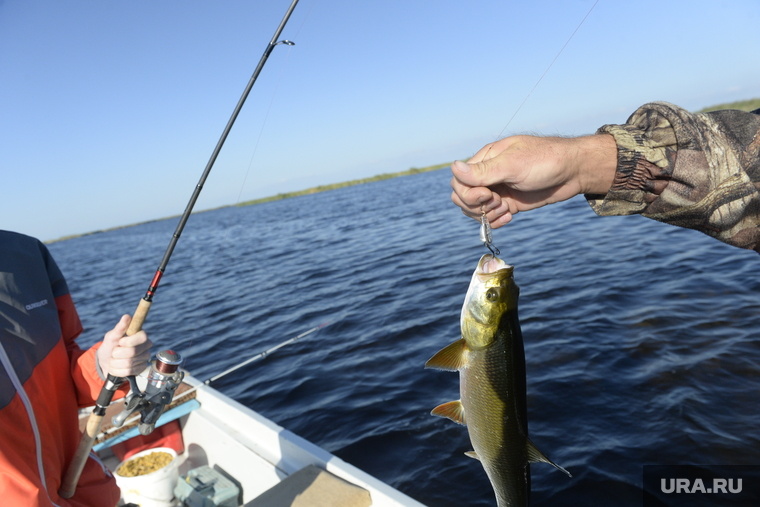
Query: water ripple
641	339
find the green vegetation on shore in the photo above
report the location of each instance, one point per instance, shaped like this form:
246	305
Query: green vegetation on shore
742	105
313	190
323	188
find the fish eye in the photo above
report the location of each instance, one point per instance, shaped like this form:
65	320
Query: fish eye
492	294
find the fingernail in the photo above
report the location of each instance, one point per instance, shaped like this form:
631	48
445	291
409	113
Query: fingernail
460	166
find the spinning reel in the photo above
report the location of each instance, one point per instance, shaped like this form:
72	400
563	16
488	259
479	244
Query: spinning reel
163	379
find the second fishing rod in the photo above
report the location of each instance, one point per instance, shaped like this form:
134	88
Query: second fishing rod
112	383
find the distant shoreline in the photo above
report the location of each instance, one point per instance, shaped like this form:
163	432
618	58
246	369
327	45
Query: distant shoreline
277	197
324	188
743	105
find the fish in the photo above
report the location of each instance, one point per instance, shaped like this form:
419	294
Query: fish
490	359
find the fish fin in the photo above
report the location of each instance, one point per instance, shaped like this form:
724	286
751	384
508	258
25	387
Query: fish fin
451	410
451	357
472	454
535	456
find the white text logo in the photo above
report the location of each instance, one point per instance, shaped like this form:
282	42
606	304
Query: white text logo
698	486
37	304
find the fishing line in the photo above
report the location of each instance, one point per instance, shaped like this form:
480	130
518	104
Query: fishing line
261	130
485	229
541	78
269	107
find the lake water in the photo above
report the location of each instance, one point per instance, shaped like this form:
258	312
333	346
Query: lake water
641	339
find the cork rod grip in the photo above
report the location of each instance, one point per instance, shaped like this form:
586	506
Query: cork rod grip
141	313
70	480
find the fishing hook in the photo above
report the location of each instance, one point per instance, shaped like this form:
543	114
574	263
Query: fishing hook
485	235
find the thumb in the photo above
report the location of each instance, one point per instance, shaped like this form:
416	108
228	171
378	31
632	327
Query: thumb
112	337
475	174
120	328
110	342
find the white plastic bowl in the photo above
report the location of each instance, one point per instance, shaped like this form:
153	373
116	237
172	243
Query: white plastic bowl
155	489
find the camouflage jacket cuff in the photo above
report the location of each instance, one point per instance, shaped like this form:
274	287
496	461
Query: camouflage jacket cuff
699	171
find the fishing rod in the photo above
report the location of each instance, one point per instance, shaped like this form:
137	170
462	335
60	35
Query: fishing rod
126	418
262	355
112	383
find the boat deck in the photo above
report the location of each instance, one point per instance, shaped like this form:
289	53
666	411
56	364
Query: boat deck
272	466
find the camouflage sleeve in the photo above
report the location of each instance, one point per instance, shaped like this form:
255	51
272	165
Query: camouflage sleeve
700	171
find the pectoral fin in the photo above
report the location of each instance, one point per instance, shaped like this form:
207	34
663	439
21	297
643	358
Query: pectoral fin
450	358
535	456
451	410
472	454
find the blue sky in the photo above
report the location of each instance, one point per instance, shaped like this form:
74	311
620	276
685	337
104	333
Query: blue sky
110	110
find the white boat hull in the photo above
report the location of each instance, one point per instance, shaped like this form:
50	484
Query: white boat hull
256	452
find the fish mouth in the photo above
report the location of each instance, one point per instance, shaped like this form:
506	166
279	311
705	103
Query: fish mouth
490	264
491	293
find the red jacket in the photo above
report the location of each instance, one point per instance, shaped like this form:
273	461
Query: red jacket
44	378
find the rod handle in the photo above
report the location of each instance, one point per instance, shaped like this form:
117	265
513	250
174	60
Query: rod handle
74	471
70	480
141	313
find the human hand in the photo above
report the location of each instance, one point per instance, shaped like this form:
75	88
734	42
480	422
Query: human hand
521	173
122	355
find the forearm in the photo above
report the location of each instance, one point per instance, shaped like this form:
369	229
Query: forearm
594	161
700	171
